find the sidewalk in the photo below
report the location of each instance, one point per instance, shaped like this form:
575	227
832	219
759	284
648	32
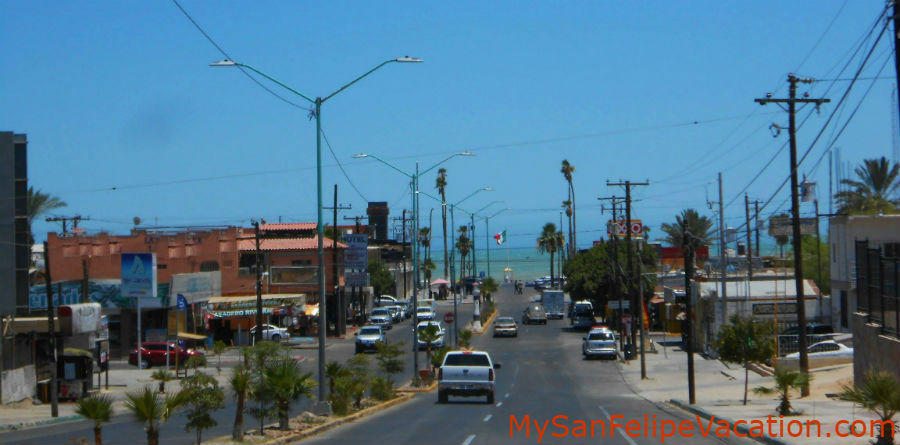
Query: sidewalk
720	391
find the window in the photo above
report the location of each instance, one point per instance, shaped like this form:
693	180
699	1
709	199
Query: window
209	266
369	331
301	262
467	360
600	336
891	250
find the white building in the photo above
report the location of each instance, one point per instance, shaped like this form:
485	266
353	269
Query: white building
880	231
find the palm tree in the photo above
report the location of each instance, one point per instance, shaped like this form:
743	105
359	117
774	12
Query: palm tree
334	371
40	203
162	376
240	381
153	409
567	205
287	384
428	335
690	230
441	185
880	394
463	244
875	190
98	409
425	239
550	241
567	170
785	382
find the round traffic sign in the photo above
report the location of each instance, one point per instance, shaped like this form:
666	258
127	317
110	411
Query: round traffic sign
448	317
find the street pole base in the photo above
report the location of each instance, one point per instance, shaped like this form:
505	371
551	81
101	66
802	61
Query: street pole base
476	325
322	408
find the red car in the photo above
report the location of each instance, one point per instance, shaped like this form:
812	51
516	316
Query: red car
154	353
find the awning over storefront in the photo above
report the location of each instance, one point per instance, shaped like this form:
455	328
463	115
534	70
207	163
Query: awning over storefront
245	306
189	336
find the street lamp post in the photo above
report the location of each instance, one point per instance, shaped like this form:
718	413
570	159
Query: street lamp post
323	406
487	237
414	182
473	215
452	261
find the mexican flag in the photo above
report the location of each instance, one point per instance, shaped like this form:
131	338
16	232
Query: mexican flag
500	237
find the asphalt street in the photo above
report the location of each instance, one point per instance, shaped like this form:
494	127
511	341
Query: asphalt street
123	429
543	375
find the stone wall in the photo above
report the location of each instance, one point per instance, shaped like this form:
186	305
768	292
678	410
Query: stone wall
871	350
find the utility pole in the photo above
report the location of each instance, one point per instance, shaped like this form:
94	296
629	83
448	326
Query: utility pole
632	289
356	219
85	295
818	256
474	263
749	250
404	219
258	336
792	102
896	60
756	216
65	219
689	253
723	265
51	335
612	228
340	322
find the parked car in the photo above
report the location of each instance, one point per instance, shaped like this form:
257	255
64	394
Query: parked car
582	315
385	300
505	327
534	313
789	339
468	374
154	354
425	313
404	308
599	343
368	337
270	332
437	343
381	317
827	348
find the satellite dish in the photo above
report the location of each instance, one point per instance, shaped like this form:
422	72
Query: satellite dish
136	220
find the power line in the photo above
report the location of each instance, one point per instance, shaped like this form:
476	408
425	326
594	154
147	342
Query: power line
341	166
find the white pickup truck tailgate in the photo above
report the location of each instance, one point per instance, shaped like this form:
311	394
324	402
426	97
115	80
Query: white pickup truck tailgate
463	367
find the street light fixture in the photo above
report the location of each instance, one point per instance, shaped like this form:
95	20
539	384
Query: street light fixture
415	186
452	261
487	236
323	406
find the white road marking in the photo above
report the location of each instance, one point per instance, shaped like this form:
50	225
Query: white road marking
469	439
488	417
627	437
499	404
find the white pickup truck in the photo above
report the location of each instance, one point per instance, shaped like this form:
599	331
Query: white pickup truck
466	373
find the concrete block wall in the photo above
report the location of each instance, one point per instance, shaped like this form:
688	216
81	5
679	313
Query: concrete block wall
873	351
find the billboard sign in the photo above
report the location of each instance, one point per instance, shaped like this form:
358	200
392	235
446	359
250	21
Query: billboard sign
637	228
781	226
139	275
356	279
355	256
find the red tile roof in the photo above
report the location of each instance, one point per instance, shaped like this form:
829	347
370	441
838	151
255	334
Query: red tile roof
246	244
288	226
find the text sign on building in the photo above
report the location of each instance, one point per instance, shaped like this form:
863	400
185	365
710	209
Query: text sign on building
637	228
782	226
139	275
770	309
355	254
356	279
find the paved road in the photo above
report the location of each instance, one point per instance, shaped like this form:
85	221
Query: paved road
543	375
123	429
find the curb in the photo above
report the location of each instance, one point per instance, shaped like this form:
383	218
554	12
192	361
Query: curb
486	323
428	388
318	429
24	425
744	429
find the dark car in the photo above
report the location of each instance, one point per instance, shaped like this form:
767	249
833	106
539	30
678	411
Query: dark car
535	313
155	353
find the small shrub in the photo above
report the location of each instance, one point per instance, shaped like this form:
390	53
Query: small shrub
487	308
465	338
340	406
382	389
437	357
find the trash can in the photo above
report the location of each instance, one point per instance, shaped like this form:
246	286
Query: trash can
629	351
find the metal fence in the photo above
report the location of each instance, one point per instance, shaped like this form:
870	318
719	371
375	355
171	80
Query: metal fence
877	289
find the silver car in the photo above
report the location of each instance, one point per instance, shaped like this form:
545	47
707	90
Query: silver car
599	343
368	337
381	317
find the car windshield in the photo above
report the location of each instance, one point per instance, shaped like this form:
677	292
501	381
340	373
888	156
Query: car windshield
379	311
505	320
583	309
423	310
600	336
467	360
369	331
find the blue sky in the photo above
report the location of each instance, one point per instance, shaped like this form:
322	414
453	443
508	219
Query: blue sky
125	118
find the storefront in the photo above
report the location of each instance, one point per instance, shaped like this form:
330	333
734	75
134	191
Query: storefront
230	318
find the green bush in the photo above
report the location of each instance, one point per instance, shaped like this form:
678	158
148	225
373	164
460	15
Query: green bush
487	308
437	357
382	389
340	406
465	338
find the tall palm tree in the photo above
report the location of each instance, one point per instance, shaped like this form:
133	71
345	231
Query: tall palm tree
425	240
441	185
241	380
463	244
874	191
153	409
40	203
567	205
567	170
97	409
690	230
550	241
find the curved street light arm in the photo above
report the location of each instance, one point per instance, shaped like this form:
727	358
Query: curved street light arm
358	79
270	78
445	160
386	163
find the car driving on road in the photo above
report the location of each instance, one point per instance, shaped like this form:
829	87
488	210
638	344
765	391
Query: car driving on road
505	327
468	374
368	337
154	354
381	317
437	343
425	313
270	332
534	313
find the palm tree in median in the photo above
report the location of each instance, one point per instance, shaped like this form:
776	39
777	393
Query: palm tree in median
441	185
240	381
567	205
550	242
153	409
463	244
874	191
567	170
97	409
427	266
